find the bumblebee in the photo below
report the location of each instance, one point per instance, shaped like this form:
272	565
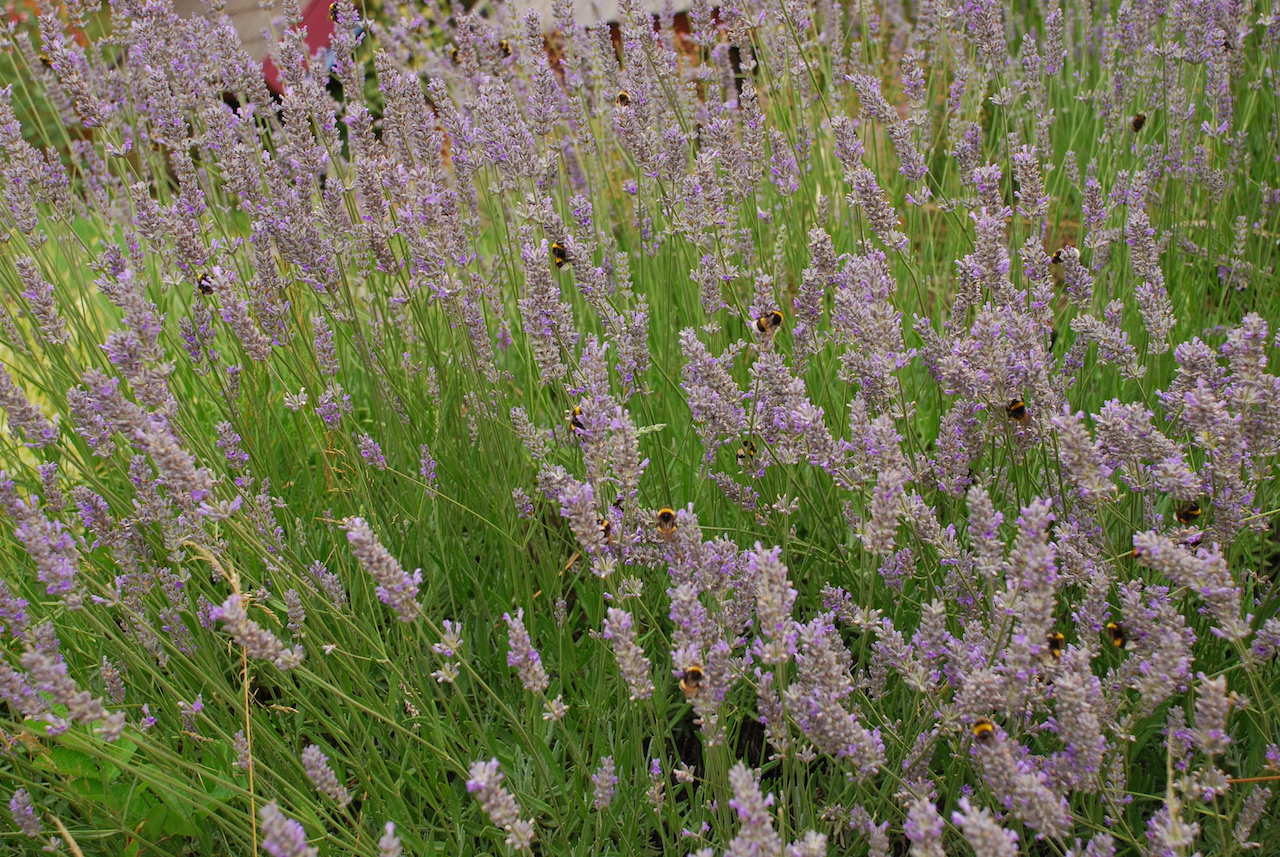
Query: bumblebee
1188	513
746	452
1017	410
559	254
204	284
333	11
1057	257
983	730
454	54
666	522
1056	641
575	418
691	681
623	99
45	61
1139	119
1116	633
504	48
606	530
769	322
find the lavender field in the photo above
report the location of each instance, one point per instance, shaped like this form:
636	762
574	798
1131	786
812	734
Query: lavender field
795	429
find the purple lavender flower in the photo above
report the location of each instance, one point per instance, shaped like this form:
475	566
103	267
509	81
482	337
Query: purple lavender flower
485	783
636	670
316	765
281	835
389	844
25	421
24	813
984	835
371	451
258	642
397	589
756	836
522	656
604	782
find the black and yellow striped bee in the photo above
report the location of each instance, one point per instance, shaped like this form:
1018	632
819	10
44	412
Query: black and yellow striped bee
746	452
204	284
1188	513
333	11
1117	635
559	255
666	522
606	530
1139	119
691	681
769	322
575	418
504	48
983	730
1056	641
1017	410
1057	257
45	61
454	54
623	99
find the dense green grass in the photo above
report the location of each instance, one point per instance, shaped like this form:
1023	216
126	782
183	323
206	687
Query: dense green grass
401	741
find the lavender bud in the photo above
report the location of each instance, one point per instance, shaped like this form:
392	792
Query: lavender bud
316	765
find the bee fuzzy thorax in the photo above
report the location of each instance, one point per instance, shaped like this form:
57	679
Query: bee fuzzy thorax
1016	410
623	98
1188	513
1055	640
983	730
769	322
1116	634
666	522
691	680
559	254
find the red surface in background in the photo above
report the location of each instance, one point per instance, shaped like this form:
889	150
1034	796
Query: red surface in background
315	17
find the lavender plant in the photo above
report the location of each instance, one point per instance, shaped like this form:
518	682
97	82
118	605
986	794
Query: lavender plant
838	428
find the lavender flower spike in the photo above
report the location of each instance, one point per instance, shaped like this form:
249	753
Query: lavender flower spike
619	630
257	641
985	836
523	657
396	589
316	764
24	813
281	835
756	836
499	804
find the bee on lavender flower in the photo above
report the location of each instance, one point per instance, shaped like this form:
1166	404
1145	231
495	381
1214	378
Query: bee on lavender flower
204	284
691	680
504	48
1056	641
455	55
983	730
1188	513
1116	633
623	99
666	522
606	530
1139	120
575	418
769	322
333	11
746	452
1016	410
45	61
1057	257
559	255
